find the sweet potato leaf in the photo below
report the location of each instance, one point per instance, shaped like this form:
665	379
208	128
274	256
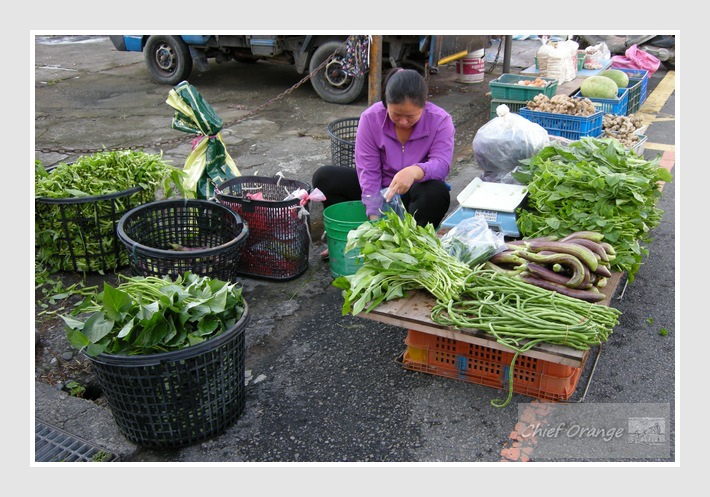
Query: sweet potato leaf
593	184
146	315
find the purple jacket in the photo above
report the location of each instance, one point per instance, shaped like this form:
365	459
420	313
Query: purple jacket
379	155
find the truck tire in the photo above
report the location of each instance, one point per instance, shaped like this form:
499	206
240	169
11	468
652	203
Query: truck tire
168	59
331	83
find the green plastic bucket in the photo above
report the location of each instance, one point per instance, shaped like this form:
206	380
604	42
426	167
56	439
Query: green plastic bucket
338	220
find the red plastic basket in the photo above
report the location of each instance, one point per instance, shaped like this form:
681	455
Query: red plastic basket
279	236
490	367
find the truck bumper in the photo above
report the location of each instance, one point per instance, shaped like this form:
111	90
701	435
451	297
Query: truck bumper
127	43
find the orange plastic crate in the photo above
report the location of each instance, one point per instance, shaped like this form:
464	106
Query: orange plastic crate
490	367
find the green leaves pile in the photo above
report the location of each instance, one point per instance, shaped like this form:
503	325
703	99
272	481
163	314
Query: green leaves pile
397	256
145	315
593	184
104	173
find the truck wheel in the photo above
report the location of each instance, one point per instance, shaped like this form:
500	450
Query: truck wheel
168	59
332	83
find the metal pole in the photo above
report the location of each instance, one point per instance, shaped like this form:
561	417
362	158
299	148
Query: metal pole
374	87
506	54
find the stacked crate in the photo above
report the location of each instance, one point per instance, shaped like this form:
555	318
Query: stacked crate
638	88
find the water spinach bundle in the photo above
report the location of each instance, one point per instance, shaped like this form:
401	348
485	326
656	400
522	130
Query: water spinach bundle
593	184
398	256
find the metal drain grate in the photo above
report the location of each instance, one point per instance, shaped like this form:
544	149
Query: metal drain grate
55	445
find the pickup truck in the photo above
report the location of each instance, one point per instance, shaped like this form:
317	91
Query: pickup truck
171	58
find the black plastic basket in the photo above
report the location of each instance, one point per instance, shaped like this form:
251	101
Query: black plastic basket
171	237
279	232
174	399
342	141
79	234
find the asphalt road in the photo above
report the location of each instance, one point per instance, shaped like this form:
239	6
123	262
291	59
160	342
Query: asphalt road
329	387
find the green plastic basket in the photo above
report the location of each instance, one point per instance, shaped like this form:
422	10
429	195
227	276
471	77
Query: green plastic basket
506	87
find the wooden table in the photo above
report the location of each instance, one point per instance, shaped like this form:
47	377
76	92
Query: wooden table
414	313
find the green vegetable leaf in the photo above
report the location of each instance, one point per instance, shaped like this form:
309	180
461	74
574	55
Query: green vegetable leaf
73	323
97	326
146	311
593	184
154	315
127	328
77	339
116	303
76	193
207	325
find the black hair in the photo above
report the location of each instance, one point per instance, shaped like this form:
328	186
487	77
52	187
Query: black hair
404	84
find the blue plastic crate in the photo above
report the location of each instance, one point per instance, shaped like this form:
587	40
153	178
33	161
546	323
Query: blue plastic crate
617	106
638	88
513	105
572	127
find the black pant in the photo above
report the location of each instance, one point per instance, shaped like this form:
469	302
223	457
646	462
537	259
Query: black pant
427	202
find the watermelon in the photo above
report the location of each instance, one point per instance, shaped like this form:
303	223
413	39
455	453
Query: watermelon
620	77
599	87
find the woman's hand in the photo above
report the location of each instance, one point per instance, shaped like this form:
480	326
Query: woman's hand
403	180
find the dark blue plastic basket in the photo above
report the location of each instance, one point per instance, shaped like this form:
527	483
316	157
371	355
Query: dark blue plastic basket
638	88
571	127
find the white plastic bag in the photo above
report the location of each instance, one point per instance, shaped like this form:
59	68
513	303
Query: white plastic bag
502	142
558	60
597	56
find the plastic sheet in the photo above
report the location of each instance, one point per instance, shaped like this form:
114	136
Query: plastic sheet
209	163
636	59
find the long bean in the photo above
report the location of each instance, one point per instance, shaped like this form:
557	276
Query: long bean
520	315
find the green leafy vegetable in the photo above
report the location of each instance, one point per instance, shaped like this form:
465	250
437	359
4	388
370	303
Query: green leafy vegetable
593	184
71	234
145	315
104	173
398	256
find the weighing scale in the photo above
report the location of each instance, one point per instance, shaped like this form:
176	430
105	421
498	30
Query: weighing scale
496	202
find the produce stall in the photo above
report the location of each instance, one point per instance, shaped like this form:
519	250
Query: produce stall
563	60
521	315
574	102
